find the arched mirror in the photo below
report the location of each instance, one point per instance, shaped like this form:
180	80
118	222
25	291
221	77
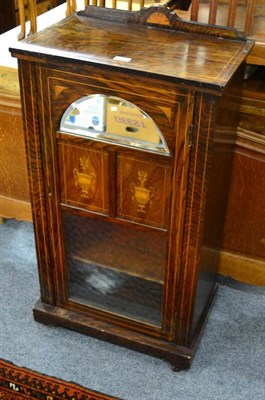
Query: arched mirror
113	120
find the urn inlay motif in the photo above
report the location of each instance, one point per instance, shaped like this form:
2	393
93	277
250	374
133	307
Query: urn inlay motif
85	179
141	194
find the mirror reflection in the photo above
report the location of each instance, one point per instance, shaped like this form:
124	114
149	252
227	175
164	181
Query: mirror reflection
114	120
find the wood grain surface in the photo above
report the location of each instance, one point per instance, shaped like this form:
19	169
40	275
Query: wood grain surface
207	61
123	233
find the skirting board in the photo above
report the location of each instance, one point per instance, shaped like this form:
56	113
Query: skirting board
242	268
13	208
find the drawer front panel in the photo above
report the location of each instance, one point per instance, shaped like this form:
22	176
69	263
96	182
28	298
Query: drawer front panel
83	177
143	190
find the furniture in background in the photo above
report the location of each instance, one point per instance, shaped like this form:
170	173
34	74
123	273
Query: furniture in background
243	254
247	16
14	193
13	12
243	251
7	15
129	161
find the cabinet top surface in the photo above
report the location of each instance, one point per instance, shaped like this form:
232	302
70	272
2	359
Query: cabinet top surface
172	54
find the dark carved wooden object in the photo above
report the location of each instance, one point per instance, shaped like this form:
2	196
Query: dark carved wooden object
127	232
159	15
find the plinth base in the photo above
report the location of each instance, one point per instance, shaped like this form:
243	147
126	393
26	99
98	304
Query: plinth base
179	356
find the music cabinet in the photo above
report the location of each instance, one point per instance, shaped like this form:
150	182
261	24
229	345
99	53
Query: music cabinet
129	124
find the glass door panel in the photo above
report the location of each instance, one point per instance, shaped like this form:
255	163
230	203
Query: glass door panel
115	267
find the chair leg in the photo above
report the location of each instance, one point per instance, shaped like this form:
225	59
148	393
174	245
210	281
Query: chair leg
32	16
71	7
22	19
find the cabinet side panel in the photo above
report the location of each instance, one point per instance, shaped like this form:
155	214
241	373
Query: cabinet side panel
219	177
202	149
35	173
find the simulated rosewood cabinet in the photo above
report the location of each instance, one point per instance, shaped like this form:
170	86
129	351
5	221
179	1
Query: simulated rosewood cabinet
124	121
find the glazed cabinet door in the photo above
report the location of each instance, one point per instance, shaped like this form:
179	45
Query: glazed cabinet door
115	153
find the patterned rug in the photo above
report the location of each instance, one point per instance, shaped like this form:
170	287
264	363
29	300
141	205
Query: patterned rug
17	383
